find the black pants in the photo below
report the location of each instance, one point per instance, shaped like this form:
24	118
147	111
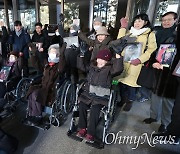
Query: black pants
174	127
127	92
94	117
2	89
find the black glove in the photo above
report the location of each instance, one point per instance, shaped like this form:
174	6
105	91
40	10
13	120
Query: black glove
73	47
83	48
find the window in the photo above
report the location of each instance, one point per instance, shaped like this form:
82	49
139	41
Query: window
165	6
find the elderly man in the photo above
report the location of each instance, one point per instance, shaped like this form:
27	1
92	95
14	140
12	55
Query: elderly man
165	85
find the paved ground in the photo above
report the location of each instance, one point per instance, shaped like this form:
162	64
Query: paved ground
55	140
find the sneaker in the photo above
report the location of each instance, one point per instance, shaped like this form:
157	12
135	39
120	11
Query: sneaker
149	120
89	138
82	133
141	100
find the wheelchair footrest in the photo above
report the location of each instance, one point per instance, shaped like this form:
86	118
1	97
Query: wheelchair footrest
41	125
73	136
96	144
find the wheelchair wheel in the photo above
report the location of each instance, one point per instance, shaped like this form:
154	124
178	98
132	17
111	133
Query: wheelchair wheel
113	107
68	96
22	88
58	116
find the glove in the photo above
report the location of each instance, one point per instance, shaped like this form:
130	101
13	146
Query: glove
135	62
124	22
83	48
21	54
73	47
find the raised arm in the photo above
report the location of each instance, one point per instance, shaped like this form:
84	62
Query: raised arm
83	37
117	66
62	62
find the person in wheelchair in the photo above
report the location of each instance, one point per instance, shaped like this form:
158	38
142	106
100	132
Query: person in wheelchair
99	79
10	73
43	94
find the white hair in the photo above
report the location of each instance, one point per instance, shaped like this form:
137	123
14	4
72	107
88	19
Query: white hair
56	47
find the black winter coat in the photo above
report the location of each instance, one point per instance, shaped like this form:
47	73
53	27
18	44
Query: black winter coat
42	38
101	77
165	84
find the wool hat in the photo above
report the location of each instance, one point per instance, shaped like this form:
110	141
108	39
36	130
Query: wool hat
104	54
102	31
98	19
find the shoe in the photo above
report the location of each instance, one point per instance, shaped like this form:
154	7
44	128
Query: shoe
121	103
149	120
82	133
128	106
162	129
36	120
142	100
89	138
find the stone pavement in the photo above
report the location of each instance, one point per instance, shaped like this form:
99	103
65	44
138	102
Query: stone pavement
55	140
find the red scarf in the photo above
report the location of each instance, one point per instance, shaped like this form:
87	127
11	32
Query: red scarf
51	64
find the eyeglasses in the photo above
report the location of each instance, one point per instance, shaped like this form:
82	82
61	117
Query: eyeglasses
167	20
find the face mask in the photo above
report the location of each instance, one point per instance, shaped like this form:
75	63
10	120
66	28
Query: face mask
52	56
57	33
96	27
12	59
72	31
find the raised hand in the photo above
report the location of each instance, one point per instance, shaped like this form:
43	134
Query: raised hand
83	48
124	22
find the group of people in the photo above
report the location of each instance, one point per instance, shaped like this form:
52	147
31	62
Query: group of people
102	59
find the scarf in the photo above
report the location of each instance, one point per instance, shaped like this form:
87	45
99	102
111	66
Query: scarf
163	34
18	33
136	32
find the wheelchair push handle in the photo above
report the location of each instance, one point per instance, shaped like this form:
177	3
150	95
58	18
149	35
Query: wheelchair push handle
115	82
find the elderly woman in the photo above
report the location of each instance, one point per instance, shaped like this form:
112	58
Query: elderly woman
43	93
141	30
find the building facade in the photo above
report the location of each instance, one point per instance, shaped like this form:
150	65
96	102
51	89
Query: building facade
47	11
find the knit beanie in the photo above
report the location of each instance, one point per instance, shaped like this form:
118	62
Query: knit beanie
104	54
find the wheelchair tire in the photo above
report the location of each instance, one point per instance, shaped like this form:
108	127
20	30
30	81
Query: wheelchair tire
22	88
113	107
68	96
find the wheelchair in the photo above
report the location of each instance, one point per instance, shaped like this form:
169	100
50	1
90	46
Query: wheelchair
15	93
62	104
106	116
